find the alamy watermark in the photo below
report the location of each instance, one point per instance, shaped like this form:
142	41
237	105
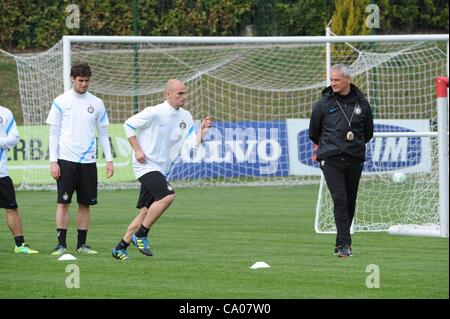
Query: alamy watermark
73	279
373	279
373	19
73	19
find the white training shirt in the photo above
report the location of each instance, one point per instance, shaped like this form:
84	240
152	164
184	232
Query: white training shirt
78	116
9	136
161	131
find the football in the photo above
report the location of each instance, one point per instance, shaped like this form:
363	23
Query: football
399	178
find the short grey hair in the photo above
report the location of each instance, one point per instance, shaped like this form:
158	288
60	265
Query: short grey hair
344	69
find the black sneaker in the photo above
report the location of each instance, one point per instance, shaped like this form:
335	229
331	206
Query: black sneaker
336	249
344	251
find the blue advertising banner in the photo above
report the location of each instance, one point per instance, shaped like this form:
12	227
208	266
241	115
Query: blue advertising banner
386	154
237	149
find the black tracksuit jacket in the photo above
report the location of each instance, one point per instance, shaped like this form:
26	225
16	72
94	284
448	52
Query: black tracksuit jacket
328	126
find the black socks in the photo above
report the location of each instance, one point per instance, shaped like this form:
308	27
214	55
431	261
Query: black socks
142	231
82	234
122	245
19	240
61	233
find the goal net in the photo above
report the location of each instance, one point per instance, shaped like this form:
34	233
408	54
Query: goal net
400	186
260	94
390	192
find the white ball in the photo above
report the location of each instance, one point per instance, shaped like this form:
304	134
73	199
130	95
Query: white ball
399	178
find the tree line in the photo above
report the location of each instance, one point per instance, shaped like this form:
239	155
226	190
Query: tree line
39	24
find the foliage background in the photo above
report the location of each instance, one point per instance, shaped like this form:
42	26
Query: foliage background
27	25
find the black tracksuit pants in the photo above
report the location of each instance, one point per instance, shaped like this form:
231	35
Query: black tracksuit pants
342	176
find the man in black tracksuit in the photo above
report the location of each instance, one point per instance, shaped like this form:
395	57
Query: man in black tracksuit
341	124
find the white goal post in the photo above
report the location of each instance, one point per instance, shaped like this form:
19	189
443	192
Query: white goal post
440	229
259	92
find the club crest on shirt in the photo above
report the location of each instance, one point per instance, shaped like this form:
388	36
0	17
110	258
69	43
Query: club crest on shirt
90	109
182	125
1	119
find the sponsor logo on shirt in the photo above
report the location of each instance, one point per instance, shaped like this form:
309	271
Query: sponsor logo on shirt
182	125
90	109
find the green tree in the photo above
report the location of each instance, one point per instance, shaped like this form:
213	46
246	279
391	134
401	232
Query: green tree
39	24
311	17
434	15
349	17
404	15
414	16
290	17
204	17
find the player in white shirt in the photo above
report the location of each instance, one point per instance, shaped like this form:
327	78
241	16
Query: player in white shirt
156	135
73	118
9	137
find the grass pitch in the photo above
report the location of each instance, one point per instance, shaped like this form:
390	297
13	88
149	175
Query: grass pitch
205	244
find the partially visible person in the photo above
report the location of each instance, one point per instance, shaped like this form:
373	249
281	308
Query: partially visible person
155	134
74	118
341	124
9	137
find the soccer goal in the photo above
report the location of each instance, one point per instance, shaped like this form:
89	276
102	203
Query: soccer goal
394	195
404	187
259	92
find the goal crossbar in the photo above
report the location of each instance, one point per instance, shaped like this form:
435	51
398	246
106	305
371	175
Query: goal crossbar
243	40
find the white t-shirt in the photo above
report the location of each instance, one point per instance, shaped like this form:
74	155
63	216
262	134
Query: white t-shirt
78	116
161	131
9	136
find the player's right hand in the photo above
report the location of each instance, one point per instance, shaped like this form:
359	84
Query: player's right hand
140	156
55	171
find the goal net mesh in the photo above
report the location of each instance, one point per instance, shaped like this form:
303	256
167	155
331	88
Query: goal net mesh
251	91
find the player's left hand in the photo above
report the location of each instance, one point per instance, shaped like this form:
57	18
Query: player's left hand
206	124
109	169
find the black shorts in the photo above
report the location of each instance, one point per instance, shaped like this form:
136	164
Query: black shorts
154	187
78	177
7	193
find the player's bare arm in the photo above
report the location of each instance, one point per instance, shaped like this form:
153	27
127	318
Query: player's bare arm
109	169
138	152
204	127
54	170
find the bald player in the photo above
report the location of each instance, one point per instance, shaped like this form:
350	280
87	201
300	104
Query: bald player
155	134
